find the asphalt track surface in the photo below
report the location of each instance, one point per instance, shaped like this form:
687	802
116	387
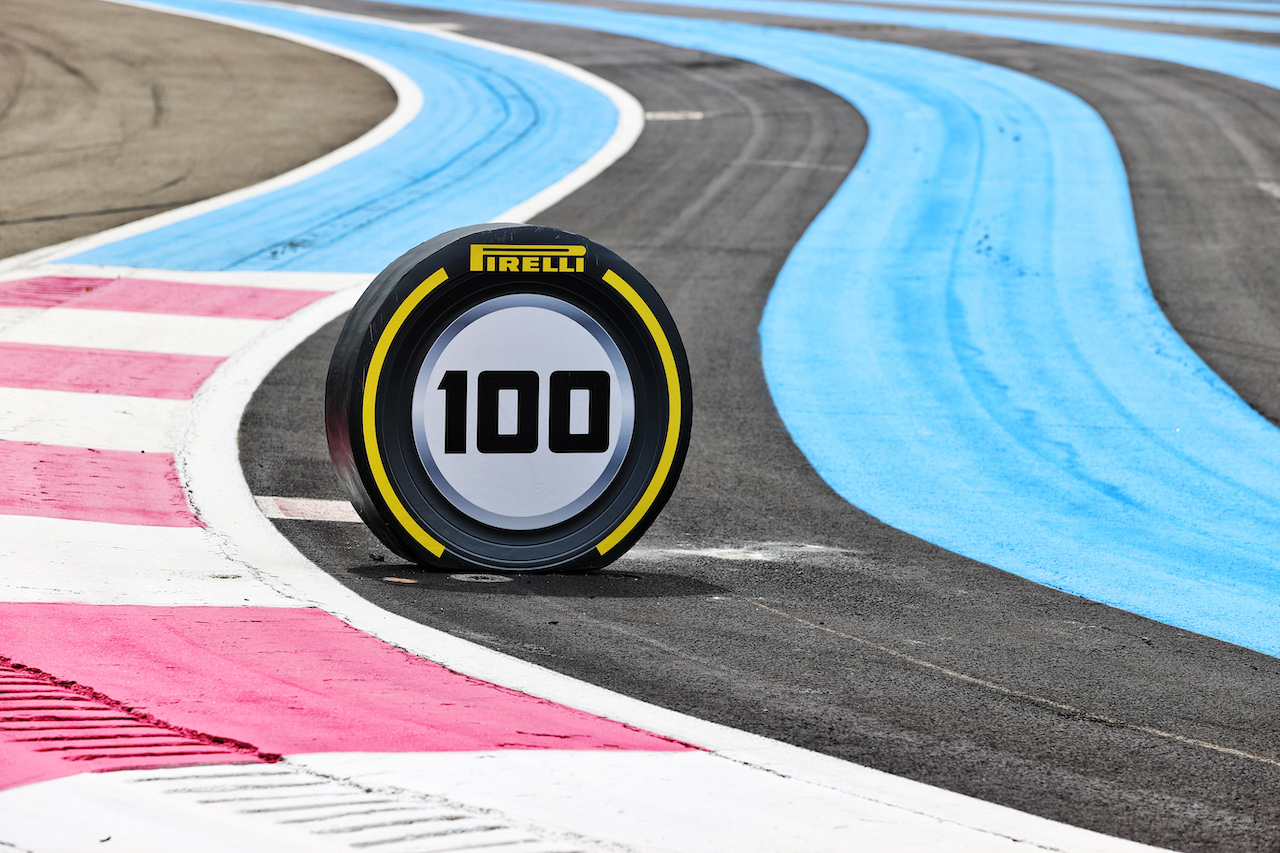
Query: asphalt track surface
846	636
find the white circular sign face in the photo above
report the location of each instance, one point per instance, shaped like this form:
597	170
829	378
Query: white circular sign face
523	410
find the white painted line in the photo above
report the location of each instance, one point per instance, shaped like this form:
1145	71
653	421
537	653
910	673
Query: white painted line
1271	188
792	164
130	330
732	554
306	509
770	553
408	104
100	421
673	115
90	562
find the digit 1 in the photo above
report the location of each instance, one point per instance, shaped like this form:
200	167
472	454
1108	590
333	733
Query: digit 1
596	438
454	386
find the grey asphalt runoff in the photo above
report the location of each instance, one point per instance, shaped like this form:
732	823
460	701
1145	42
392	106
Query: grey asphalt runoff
109	114
829	629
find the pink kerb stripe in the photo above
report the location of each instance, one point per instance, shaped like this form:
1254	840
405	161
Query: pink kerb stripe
101	371
156	297
45	291
117	486
290	681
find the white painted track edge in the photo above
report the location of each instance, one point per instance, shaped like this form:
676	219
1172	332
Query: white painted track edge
100	421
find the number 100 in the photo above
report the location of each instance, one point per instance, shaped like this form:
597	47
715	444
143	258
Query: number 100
525	384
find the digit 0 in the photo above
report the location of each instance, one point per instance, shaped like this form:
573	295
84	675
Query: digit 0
490	438
591	388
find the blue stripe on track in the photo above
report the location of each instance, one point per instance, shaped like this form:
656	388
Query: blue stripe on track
1256	63
493	131
965	345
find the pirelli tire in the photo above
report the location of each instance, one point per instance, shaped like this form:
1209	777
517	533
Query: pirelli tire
415	403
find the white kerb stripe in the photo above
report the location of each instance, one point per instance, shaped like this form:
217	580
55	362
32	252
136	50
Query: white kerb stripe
10	317
100	421
94	562
130	330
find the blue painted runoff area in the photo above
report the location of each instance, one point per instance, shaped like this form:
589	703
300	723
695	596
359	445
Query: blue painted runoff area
493	130
964	343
